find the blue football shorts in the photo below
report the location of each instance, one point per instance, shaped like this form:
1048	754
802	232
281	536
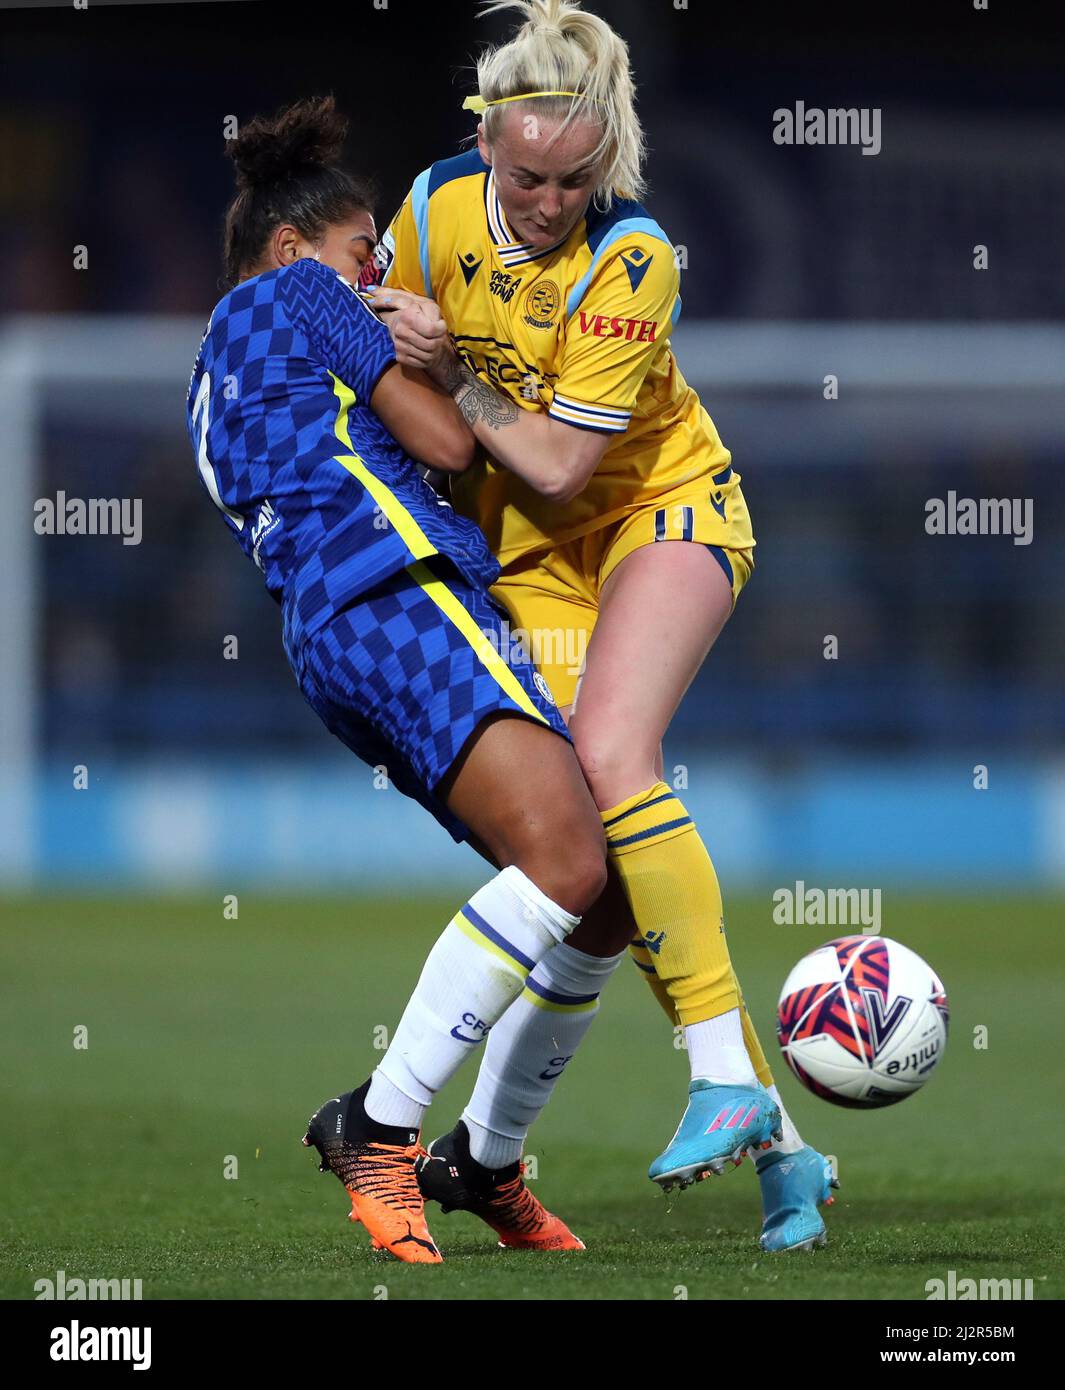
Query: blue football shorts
406	673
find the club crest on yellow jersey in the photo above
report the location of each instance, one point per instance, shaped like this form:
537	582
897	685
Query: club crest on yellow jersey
542	302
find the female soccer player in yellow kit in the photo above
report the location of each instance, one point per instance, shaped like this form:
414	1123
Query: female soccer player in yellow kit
614	509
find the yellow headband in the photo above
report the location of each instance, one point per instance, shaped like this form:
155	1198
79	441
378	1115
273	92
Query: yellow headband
479	104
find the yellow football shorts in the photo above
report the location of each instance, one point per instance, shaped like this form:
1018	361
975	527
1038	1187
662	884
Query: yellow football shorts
553	597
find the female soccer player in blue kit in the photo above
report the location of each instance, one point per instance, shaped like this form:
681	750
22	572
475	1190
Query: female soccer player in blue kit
305	430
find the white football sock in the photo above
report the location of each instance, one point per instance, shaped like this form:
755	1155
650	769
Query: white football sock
716	1051
388	1105
529	1048
477	967
791	1143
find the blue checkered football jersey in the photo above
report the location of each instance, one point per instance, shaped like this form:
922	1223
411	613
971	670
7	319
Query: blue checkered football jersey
314	488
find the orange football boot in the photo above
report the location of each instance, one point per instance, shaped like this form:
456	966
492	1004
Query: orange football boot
448	1174
376	1164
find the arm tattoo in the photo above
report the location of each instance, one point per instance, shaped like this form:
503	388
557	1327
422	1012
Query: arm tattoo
476	399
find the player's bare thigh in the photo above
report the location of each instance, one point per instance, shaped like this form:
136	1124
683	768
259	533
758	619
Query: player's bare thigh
660	612
519	788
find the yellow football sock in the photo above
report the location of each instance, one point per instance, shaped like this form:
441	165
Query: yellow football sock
754	1047
644	961
674	895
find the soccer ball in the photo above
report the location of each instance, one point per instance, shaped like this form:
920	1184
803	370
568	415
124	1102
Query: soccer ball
862	1021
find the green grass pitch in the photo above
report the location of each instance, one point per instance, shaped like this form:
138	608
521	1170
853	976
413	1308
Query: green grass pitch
210	1038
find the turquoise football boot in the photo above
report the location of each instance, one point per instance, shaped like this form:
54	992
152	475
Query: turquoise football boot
721	1123
793	1185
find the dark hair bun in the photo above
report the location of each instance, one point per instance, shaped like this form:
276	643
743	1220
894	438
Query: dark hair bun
308	134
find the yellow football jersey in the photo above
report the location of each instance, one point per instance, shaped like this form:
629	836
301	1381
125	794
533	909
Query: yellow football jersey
581	330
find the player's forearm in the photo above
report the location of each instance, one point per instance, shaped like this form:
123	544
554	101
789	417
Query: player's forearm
421	415
519	440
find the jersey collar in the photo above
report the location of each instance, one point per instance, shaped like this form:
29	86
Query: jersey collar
509	250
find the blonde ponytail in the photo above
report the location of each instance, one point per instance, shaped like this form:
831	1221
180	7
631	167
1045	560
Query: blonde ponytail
560	47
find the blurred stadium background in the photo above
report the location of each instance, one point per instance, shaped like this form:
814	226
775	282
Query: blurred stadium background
800	263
